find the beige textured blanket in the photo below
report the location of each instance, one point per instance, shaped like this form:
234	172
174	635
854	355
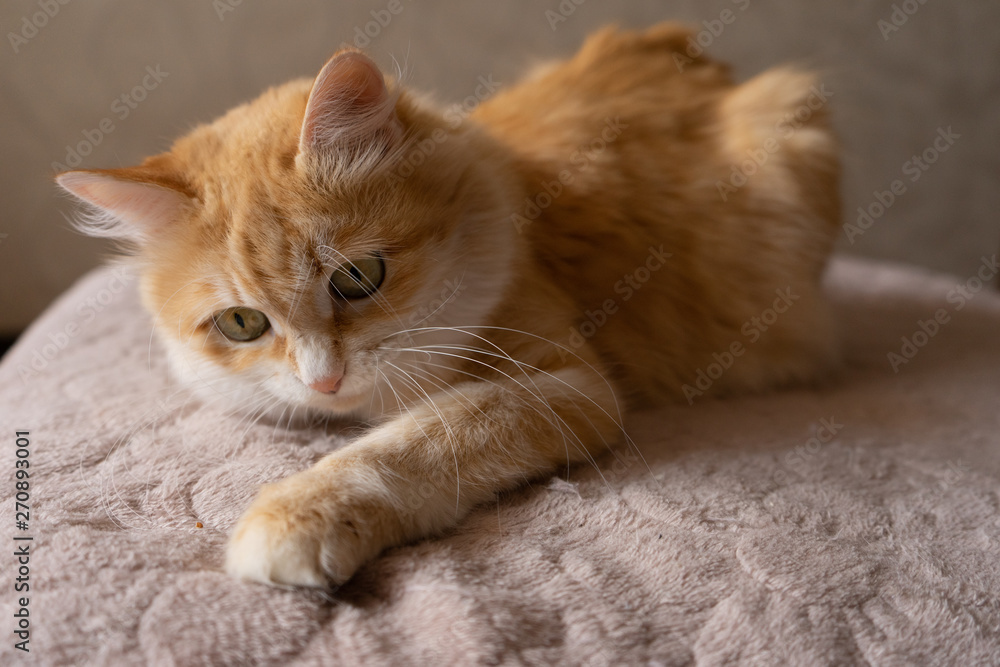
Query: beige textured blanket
854	524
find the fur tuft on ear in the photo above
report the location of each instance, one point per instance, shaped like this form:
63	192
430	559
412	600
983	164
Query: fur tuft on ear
350	116
124	204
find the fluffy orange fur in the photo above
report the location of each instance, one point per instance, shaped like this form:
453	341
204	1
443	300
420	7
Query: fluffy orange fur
577	246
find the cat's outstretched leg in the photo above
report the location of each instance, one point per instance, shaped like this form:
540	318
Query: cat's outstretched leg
421	473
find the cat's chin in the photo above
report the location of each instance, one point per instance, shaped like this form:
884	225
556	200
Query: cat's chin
353	405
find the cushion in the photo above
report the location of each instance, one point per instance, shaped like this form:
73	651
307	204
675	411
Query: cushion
857	521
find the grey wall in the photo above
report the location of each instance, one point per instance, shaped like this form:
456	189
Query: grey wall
940	69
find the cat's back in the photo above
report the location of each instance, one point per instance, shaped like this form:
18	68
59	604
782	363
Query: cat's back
627	152
563	106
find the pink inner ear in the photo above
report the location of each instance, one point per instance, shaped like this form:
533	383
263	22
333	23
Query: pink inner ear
139	209
349	101
360	75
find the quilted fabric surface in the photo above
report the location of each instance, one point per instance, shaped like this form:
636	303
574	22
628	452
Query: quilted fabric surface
856	523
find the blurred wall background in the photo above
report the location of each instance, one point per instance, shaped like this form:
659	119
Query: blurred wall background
119	80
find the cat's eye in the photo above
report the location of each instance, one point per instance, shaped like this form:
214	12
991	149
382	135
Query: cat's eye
241	323
358	279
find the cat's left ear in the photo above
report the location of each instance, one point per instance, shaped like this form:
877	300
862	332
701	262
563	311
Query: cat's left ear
134	204
350	109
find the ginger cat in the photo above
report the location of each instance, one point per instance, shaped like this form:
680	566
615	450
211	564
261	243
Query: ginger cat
490	292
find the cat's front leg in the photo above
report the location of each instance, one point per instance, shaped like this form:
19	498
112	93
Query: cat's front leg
420	474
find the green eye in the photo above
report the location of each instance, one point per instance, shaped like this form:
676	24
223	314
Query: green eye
359	278
242	324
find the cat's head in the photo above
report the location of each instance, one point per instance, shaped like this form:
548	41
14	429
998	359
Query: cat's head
282	246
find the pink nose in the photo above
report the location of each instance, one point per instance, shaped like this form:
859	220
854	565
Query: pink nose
328	385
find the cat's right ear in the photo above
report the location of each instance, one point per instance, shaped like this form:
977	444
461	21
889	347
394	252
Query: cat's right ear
126	204
350	110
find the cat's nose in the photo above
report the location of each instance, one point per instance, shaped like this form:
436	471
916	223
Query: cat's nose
327	385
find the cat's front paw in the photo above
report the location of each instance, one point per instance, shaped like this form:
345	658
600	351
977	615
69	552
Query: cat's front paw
301	531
